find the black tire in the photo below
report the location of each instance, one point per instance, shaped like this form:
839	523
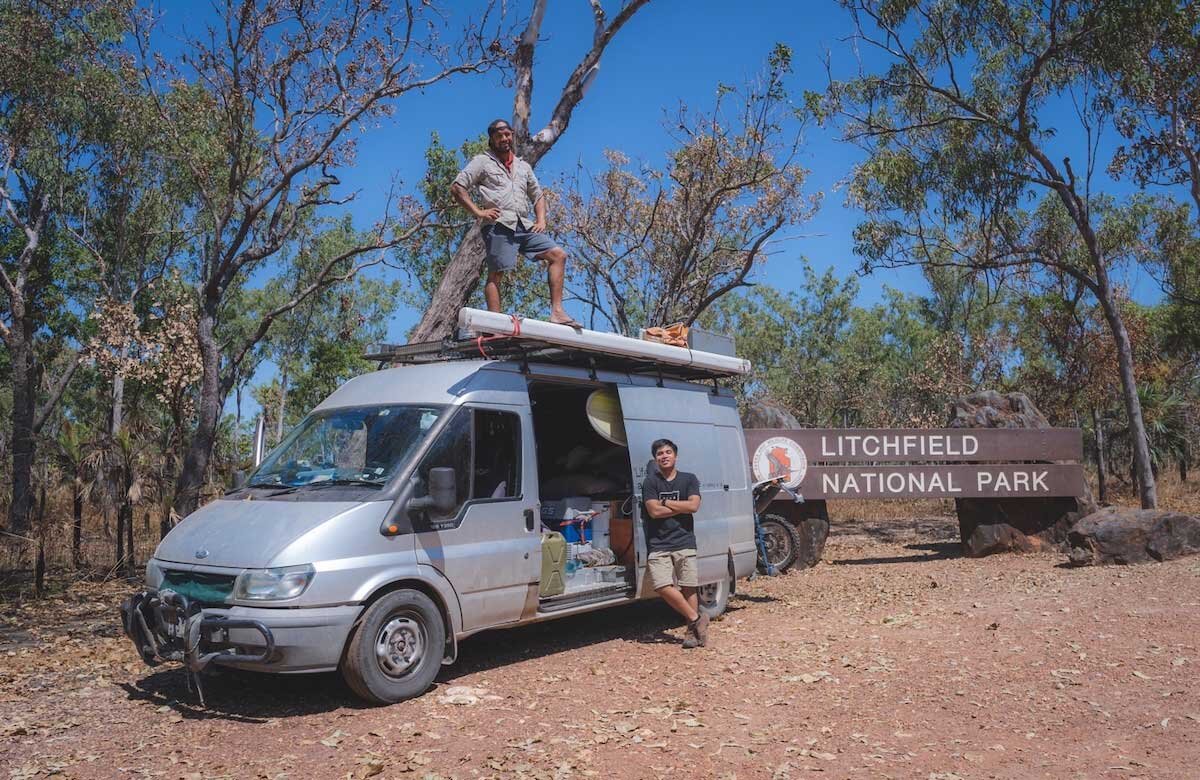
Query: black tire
782	541
713	598
396	651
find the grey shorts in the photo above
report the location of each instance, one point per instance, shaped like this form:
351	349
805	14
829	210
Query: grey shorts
502	245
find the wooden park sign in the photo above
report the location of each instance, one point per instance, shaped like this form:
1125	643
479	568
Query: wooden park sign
825	463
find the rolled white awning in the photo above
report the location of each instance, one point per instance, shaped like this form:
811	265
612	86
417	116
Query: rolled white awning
479	321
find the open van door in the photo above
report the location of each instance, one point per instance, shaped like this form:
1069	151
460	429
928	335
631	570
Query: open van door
685	417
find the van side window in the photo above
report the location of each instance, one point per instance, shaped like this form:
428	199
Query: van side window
497	472
452	448
484	449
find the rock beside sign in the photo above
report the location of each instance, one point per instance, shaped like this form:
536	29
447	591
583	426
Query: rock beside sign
1124	535
764	414
992	525
989	409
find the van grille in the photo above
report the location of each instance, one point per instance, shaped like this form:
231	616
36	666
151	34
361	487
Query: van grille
200	586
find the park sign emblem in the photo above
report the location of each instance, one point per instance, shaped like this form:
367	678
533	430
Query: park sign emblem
780	456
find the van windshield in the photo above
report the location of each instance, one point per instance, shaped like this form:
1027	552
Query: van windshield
361	445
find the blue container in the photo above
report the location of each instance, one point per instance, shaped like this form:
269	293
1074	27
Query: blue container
571	533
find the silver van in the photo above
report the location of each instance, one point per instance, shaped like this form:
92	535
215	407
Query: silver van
418	505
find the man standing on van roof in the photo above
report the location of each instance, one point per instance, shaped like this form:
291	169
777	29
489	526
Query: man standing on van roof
509	189
671	498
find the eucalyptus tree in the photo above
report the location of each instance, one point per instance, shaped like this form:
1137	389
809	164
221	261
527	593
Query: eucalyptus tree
1152	61
61	84
262	110
966	122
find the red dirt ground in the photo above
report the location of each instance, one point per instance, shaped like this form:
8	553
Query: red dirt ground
895	658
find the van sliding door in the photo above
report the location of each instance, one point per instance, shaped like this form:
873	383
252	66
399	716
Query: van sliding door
684	417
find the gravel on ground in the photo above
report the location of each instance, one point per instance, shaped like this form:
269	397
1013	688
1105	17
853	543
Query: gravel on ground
894	658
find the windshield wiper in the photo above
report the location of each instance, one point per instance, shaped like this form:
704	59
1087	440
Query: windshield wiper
344	481
285	488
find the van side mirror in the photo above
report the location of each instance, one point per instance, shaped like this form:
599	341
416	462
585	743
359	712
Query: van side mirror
442	498
443	489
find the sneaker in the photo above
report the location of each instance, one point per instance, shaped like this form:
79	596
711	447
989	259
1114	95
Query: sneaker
700	629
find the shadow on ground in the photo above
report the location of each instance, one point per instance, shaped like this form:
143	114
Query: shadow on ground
248	697
892	531
934	552
935	538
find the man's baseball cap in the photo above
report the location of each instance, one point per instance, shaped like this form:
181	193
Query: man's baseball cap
496	125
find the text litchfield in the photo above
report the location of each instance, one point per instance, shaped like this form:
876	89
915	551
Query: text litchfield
900	445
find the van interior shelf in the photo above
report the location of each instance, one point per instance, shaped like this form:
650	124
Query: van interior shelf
490	335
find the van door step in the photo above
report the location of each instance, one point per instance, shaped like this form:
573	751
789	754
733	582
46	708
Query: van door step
590	596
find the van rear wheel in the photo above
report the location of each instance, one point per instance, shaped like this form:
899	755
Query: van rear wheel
713	598
396	651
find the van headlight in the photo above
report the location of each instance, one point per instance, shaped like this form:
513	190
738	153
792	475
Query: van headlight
154	574
286	582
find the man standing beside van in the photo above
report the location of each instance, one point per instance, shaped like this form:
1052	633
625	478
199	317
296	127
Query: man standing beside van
509	191
672	498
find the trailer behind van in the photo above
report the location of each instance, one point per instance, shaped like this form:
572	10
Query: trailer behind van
484	482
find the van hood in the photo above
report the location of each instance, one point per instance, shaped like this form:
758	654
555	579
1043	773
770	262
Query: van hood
245	534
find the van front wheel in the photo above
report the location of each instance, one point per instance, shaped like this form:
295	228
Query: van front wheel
397	649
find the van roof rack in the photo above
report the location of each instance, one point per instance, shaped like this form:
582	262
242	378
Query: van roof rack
484	334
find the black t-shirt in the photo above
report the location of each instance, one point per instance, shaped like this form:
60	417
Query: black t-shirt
678	531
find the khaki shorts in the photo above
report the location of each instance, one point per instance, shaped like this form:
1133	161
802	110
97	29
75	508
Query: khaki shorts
673	568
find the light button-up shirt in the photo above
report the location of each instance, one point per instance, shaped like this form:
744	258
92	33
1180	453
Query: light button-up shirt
513	193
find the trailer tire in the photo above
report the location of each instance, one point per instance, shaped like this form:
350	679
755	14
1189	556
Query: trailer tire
396	650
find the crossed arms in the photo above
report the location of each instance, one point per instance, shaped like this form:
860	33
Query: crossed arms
660	510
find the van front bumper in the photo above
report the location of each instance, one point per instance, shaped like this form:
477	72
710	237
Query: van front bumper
165	626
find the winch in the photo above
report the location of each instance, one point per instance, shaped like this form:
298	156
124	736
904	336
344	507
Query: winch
168	626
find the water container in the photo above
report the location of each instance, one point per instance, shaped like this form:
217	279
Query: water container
554	562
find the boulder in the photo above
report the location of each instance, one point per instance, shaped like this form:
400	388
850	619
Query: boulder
1125	535
766	414
989	409
992	525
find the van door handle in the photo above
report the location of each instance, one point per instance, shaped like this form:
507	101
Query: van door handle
726	488
528	519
